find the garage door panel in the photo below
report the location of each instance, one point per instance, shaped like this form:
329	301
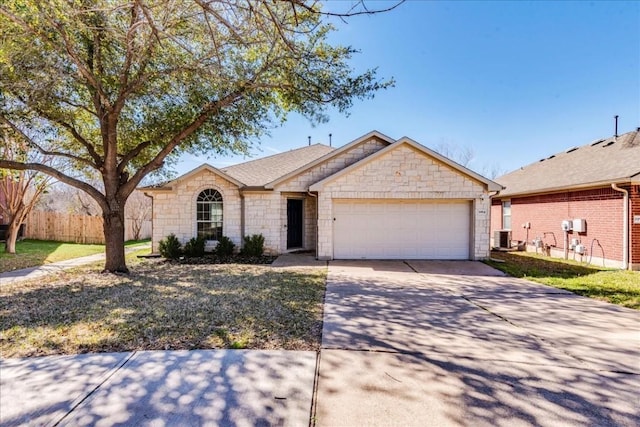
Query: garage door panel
391	229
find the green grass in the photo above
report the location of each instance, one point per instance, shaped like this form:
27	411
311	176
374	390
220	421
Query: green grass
620	287
31	253
161	306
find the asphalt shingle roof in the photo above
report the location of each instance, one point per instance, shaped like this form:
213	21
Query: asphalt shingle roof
611	159
257	173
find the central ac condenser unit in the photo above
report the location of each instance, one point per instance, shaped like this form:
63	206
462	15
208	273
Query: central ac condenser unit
502	239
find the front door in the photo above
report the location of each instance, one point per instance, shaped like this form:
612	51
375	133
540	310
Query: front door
294	223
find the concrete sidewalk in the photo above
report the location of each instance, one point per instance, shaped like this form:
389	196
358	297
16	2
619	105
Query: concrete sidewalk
153	388
55	267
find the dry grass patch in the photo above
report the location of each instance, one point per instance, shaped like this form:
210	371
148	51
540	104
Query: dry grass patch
163	306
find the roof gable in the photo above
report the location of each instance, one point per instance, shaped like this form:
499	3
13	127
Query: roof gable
599	163
328	156
259	172
491	186
203	167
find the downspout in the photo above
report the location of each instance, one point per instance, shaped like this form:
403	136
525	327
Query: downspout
242	221
152	208
316	219
625	226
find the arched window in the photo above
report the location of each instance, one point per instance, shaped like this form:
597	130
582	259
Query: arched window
209	214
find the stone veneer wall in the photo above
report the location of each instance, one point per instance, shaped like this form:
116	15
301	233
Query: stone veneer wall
263	215
175	211
266	213
405	173
301	183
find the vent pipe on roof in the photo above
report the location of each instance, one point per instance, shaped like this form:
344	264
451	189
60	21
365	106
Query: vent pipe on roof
616	119
330	140
309	137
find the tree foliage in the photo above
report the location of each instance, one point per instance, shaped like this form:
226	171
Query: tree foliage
119	87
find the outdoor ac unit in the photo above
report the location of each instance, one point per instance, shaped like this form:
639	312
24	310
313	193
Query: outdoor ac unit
502	239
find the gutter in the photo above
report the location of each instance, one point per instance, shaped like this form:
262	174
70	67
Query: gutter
625	225
569	187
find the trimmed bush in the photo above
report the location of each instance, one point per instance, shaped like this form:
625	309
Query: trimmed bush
170	247
195	247
253	245
225	246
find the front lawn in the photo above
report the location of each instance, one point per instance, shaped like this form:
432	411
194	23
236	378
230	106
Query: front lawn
620	287
162	306
31	253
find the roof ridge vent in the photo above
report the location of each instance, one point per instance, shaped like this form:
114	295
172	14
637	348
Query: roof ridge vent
613	141
571	149
600	141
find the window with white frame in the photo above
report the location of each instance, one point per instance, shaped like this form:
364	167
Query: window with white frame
506	215
209	214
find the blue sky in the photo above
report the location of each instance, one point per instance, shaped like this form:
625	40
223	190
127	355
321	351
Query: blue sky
513	81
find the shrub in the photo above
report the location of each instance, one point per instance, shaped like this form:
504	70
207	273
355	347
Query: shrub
253	245
195	247
225	246
170	247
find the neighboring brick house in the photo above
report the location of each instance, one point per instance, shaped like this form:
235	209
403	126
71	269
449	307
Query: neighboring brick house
374	198
598	183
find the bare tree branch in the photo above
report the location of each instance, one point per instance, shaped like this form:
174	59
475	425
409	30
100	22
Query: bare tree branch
98	197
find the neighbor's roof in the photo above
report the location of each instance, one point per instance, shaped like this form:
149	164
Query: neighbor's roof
599	163
257	173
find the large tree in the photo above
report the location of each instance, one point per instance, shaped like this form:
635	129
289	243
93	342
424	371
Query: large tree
119	87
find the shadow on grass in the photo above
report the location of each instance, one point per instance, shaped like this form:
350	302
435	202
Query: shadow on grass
518	265
160	307
615	286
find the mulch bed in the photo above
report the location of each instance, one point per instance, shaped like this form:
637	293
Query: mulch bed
231	259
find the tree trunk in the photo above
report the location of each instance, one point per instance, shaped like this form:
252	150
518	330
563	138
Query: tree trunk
114	242
11	236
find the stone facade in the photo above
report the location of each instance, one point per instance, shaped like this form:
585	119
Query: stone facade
404	173
302	182
263	215
403	170
174	211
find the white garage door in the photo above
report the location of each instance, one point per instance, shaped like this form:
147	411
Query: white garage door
392	229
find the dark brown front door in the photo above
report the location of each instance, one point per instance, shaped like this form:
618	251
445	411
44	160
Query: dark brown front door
294	223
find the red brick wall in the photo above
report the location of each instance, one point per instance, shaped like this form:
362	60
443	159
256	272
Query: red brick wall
601	208
496	215
634	209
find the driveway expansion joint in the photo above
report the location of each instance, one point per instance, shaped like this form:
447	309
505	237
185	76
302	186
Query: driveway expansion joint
106	378
534	336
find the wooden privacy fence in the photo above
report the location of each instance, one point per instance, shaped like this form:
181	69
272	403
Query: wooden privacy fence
62	227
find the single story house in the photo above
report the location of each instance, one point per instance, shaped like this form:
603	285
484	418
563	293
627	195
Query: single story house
583	203
374	198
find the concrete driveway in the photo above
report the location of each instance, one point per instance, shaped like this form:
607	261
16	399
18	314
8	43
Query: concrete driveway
430	343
